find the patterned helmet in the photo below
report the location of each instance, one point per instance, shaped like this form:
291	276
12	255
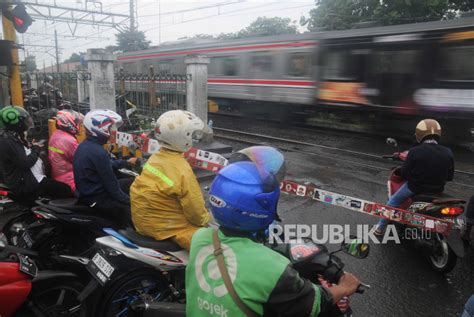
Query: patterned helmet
176	130
100	123
69	121
16	119
427	127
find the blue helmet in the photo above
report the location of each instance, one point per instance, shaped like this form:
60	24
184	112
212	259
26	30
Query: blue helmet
242	200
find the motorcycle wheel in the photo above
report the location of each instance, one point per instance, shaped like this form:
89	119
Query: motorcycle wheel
54	299
442	258
139	285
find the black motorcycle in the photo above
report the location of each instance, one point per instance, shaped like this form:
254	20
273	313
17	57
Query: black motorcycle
136	274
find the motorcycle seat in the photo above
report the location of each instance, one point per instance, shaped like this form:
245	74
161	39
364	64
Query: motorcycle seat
148	242
71	204
64	206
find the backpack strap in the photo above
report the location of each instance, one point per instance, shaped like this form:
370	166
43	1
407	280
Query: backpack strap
218	253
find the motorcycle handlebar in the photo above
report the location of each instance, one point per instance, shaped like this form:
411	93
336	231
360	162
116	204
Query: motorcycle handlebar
360	290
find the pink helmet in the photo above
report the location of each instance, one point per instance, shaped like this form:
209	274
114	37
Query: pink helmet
69	121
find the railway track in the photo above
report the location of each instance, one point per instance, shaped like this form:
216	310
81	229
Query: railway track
314	149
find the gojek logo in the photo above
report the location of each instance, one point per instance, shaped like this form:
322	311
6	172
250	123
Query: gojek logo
204	263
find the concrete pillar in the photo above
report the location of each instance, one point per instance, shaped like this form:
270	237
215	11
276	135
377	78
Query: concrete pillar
196	86
82	87
101	86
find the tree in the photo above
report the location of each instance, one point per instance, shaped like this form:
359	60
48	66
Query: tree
264	26
343	14
128	41
29	64
74	58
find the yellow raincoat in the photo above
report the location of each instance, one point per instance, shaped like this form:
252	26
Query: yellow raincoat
166	199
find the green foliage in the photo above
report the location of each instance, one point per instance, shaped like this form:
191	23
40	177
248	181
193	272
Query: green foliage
74	58
128	41
29	64
343	14
263	26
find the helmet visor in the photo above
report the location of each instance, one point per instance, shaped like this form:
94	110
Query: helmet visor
269	161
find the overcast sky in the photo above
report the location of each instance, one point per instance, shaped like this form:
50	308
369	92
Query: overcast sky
230	16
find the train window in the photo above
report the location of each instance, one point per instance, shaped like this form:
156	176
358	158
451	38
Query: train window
299	65
262	63
229	66
457	63
395	62
165	66
213	68
129	67
339	66
224	66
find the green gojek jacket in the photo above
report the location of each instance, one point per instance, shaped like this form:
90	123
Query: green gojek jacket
264	280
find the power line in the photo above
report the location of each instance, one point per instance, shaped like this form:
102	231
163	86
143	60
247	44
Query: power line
216	5
230	14
213	15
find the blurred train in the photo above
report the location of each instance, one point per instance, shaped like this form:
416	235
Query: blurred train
423	69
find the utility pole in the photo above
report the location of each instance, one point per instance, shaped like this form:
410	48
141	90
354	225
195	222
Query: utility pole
57	59
132	17
15	80
159	22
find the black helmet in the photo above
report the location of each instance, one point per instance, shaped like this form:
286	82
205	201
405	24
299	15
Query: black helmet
15	118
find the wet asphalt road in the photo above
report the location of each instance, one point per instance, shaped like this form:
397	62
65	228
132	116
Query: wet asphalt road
402	281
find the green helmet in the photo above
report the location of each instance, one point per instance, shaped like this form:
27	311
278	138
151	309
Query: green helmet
15	118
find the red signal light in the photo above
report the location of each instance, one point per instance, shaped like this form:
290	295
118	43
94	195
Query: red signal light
21	19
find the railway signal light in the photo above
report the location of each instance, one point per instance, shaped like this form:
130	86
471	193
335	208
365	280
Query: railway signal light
20	18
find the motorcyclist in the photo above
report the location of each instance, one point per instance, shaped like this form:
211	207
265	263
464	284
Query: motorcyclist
167	201
426	169
96	183
63	144
46	91
22	170
244	203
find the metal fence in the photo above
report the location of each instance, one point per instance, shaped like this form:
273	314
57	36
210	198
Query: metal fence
140	98
144	97
72	85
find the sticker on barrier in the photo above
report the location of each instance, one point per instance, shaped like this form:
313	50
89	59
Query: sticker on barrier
406	217
197	158
214	162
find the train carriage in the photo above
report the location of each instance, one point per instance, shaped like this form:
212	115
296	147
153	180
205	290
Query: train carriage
412	70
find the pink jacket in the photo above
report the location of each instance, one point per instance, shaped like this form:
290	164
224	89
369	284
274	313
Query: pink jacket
61	149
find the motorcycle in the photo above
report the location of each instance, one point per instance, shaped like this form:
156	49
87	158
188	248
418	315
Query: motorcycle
25	290
60	226
134	273
441	251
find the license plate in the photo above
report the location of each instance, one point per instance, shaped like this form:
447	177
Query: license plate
100	268
27	265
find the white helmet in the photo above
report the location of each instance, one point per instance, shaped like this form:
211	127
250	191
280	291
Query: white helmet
176	129
102	122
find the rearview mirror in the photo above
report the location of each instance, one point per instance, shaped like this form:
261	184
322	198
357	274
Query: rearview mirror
355	247
391	142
